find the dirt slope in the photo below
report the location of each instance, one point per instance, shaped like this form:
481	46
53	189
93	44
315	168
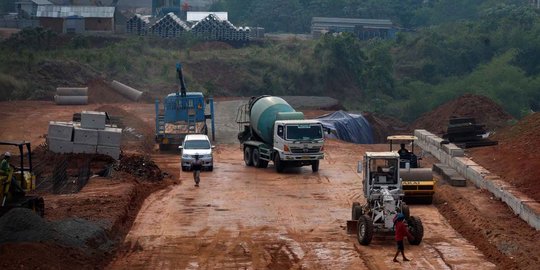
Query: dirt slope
517	157
482	108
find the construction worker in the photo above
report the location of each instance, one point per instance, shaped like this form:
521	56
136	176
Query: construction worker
401	231
4	165
197	166
403	151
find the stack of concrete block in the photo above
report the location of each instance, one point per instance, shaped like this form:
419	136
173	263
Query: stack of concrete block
90	136
71	96
521	204
60	137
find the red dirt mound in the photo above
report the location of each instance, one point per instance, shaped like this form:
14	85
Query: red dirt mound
99	91
516	156
384	126
483	109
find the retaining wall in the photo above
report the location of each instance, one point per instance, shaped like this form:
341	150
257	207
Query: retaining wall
453	156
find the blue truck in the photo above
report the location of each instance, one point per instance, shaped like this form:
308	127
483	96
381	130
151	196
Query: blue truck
182	113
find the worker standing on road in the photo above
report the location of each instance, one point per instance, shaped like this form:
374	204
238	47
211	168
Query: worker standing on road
401	232
197	166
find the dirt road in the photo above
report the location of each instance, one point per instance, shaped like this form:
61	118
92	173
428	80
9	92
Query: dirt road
248	218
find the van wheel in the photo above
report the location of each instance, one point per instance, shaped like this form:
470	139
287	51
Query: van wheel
315	166
248	152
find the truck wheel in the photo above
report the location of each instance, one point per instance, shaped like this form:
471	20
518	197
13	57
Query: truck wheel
365	230
417	230
184	168
247	156
405	210
257	161
278	164
356	211
315	166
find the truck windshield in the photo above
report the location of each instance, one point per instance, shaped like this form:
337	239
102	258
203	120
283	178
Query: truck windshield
304	132
197	144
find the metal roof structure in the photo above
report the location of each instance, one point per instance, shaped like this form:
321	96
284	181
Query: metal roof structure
50	11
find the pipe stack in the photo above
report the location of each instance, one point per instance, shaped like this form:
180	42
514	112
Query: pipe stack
138	25
71	96
213	28
170	26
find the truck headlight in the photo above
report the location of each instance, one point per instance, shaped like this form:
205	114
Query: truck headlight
186	156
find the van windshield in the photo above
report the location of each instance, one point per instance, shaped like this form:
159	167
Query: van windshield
304	132
197	144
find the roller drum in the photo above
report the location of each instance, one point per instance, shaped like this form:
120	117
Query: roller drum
416	174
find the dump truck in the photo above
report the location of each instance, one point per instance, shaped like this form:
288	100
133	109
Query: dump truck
383	191
274	131
418	183
182	113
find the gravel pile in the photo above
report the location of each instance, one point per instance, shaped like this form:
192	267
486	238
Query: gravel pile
23	225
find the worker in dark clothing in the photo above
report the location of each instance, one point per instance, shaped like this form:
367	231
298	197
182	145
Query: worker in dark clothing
401	231
197	166
403	151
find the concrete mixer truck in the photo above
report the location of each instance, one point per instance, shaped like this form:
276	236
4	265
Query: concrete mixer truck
274	131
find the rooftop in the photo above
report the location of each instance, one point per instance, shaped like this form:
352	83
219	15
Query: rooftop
51	11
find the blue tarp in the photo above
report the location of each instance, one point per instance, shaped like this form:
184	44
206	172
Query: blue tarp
348	127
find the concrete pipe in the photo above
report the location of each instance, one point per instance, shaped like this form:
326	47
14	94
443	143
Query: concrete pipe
71	100
126	91
72	91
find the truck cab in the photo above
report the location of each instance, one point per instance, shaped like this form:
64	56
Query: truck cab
299	141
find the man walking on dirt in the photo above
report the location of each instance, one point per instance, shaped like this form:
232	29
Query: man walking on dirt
401	232
197	166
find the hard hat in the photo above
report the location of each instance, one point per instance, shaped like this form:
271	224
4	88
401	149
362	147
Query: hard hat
7	154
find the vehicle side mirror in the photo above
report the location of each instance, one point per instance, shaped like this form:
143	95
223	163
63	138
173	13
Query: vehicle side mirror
359	168
180	147
213	146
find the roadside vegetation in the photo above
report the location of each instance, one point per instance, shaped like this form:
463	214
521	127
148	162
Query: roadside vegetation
493	51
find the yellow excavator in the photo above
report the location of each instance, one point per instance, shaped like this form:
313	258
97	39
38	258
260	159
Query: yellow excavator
13	196
418	183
